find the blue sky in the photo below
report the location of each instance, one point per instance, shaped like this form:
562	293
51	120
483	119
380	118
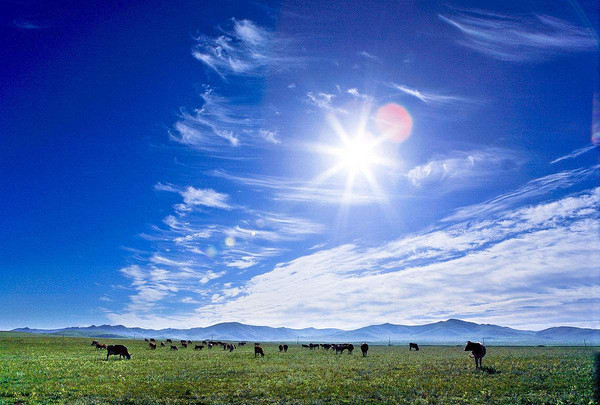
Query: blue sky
299	163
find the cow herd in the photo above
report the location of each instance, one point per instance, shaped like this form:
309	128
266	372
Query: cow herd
477	349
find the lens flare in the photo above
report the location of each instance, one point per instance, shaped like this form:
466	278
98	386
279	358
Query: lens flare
394	122
230	241
211	251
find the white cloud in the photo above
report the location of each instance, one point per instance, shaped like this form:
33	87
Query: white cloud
367	55
463	169
205	197
574	154
521	38
246	49
323	101
221	122
430	97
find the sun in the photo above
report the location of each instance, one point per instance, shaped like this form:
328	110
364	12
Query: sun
357	155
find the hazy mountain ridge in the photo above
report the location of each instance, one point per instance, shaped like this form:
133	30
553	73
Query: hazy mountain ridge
452	331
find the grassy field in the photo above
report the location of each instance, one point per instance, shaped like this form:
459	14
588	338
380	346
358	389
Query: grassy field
38	369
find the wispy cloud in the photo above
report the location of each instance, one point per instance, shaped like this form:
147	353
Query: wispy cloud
534	256
221	122
28	24
245	49
463	169
430	97
520	38
192	197
574	154
323	101
367	55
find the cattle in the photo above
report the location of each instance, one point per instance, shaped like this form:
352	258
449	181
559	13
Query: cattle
326	346
162	344
285	347
231	347
169	341
225	347
305	346
189	342
241	343
198	347
364	348
152	346
339	349
184	345
173	347
258	350
210	345
118	349
413	346
477	352
312	346
280	348
94	343
153	340
146	340
184	342
100	346
204	342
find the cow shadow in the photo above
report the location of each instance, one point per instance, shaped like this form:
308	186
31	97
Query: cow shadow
489	370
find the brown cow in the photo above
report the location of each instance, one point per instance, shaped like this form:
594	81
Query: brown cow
100	346
94	343
258	350
152	346
118	349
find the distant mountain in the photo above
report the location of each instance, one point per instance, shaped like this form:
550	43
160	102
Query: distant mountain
452	331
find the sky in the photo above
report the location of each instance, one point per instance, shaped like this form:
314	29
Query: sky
298	164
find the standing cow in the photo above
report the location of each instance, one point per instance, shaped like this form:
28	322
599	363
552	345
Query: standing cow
364	348
280	348
477	352
152	346
173	347
117	349
285	347
258	351
413	346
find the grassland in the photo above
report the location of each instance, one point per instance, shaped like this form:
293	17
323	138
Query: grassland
44	369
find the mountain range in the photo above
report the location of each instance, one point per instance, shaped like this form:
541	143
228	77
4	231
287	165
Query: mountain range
452	331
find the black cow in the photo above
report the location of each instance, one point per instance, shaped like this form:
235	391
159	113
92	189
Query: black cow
173	347
198	347
258	350
153	340
413	346
162	344
364	348
241	343
117	349
477	352
285	347
231	347
94	343
184	345
152	346
146	340
280	348
305	346
169	341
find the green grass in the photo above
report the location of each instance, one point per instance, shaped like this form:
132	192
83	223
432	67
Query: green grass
39	369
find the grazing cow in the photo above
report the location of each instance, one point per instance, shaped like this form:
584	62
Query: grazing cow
305	346
153	340
100	346
169	341
184	342
285	347
345	346
241	343
364	348
162	344
258	350
173	347
231	347
118	349
184	345
198	347
280	348
94	343
477	352
225	347
312	346
146	340
413	346
189	342
152	346
210	345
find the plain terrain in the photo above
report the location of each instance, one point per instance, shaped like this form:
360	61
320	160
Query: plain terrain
48	369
